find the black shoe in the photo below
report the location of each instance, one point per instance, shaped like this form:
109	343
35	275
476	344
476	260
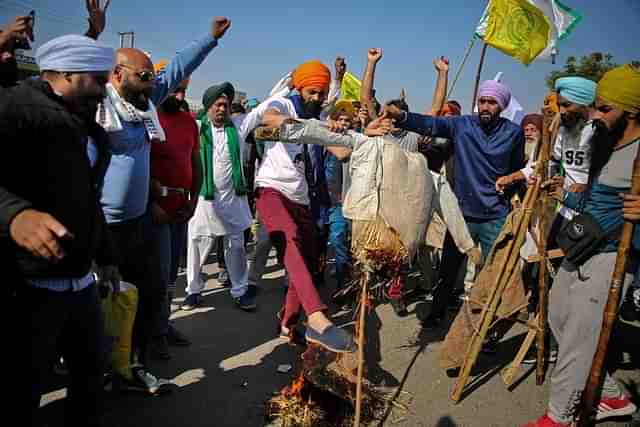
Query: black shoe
159	348
177	338
455	302
490	344
333	339
431	322
246	301
532	356
630	310
399	307
191	301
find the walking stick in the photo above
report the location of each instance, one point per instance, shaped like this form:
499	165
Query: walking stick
363	310
542	250
483	54
592	388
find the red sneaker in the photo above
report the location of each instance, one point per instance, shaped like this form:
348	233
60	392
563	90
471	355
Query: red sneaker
545	421
614	407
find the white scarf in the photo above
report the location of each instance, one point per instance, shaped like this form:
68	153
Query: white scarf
114	109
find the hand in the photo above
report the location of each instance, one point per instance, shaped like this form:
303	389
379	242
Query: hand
109	278
379	127
475	255
363	116
341	68
393	112
374	55
532	179
273	119
631	207
185	212
502	183
39	233
220	26
555	186
335	126
97	17
159	215
21	28
441	64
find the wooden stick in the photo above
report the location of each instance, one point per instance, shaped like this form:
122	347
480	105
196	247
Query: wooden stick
483	54
509	372
592	388
361	324
543	162
552	254
504	272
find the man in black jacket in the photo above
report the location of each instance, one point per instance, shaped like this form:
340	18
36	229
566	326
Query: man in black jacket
52	227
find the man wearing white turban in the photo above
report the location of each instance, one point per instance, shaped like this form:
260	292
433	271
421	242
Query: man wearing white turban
52	228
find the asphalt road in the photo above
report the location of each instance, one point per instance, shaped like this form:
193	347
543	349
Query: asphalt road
231	369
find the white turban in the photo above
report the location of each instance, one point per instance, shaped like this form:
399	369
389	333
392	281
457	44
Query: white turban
74	53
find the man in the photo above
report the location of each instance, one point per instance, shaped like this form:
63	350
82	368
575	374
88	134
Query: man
223	209
282	201
579	294
176	174
128	114
19	33
52	228
486	147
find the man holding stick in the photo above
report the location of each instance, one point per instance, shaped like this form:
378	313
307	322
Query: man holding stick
579	294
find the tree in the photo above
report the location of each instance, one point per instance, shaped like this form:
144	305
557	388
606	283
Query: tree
590	66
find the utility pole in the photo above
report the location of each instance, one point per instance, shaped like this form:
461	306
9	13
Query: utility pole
122	38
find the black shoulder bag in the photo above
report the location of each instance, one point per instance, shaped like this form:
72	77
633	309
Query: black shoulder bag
582	238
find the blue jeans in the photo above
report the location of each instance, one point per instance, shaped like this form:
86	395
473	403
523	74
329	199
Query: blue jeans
485	232
338	237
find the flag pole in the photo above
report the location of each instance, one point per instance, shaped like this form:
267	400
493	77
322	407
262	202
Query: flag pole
478	74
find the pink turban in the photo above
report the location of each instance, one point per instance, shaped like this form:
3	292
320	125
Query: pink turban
497	91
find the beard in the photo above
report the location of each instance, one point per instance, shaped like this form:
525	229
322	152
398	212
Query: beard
137	98
487	118
313	108
603	141
171	105
8	72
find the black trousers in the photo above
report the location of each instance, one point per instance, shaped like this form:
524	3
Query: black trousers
138	266
450	264
44	323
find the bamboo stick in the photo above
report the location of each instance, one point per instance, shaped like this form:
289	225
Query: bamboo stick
543	162
594	382
483	54
361	327
509	372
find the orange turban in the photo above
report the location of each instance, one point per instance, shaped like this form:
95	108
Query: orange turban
450	108
312	74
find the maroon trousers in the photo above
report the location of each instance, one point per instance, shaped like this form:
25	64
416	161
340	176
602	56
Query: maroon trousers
293	233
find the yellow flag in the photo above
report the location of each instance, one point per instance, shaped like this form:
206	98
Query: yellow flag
350	89
517	28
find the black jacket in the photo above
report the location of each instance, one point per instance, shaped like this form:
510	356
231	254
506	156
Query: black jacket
44	166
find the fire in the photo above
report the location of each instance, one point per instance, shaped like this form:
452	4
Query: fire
295	389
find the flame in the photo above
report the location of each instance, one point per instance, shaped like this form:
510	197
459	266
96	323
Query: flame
295	389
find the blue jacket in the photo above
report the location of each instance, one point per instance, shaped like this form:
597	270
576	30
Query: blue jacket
481	158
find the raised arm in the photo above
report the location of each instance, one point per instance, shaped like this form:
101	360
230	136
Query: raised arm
334	88
187	60
97	18
440	94
366	93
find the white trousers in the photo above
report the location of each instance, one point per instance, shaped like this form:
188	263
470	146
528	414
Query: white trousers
198	249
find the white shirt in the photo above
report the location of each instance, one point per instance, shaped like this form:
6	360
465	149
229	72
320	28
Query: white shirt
227	213
282	166
572	149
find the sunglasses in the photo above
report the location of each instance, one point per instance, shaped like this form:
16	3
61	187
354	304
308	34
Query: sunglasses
144	76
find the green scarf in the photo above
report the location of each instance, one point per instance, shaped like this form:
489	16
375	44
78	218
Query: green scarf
206	156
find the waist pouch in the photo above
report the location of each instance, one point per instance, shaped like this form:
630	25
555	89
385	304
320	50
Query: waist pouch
582	238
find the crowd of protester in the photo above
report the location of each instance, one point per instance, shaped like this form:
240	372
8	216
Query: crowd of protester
106	176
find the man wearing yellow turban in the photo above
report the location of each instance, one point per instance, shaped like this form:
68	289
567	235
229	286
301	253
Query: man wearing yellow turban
579	293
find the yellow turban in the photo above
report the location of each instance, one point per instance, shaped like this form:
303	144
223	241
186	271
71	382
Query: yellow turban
312	74
621	87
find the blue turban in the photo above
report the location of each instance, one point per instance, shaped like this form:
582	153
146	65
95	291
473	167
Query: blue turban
74	53
577	90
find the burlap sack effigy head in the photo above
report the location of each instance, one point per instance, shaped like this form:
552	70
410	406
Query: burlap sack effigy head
467	322
404	206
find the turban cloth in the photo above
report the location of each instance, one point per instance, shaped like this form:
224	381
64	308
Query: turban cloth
215	92
551	102
621	87
73	53
532	119
449	108
312	74
497	91
342	107
577	90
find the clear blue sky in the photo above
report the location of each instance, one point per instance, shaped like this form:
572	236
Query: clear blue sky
269	38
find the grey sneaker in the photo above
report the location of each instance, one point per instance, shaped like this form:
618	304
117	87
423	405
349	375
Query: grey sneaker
532	356
333	339
143	381
191	301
